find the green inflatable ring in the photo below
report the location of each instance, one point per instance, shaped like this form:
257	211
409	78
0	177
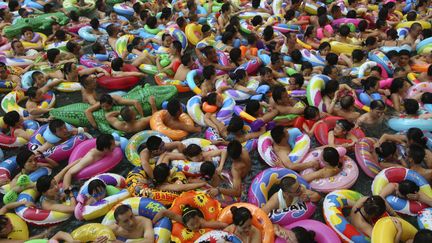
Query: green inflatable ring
39	23
71	5
151	31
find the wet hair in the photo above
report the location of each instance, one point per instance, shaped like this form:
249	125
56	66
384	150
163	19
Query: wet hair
174	107
298	79
344	30
411	106
429	71
61	35
55	124
110	29
310	112
331	87
415	26
52	54
251	39
426	33
423	236
346	101
321	11
426	98
374	206
352	14
369	83
234	149
328	69
35	74
332	58
22	11
274	58
235	55
264	70
207	170
225	7
117	64
31	92
306	65
177	46
331	156
386	149
268	33
296	56
287	182
289	14
166	13
97	48
236	124
416	135
392	33
210	98
256	3
240	215
227	36
13	4
252	107
94	23
277	92
358	55
70	45
181	21
94	185
137	7
370	41
277	134
345	124
153	143
308	31
303	235
189	213
151	22
397	84
322	20
407	187
122	209
11	118
209	71
106	99
43	184
192	150
104	141
205	28
416	153
324	45
23	156
377	69
335	9
185	59
125	114
160	173
48	7
362	25
257	20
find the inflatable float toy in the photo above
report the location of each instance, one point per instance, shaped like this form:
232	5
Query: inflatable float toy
92	61
123	9
195	111
137	140
148	208
260	187
75	113
343	21
190	168
251	14
122	43
424	46
193	33
90	232
343	48
407	24
115	191
27	82
148	32
383	61
114	83
403	123
333	206
363	152
315	60
245	27
8	168
72	27
58	45
33	4
219	236
59	152
386	49
11	100
419	88
164	79
240	96
19	228
299	142
74	5
259	219
178	35
424	218
385	231
86	33
7	86
396	175
327	124
101	166
33	43
190	80
420	67
313	91
343	180
209	207
251	67
286	28
16	62
323	233
157	124
10	141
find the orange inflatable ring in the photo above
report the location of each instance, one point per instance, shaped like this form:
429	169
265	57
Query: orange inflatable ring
420	67
156	124
209	108
252	51
260	220
209	207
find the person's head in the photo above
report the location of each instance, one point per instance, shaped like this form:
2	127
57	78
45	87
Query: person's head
332	59
174	108
253	107
268	33
234	149
38	78
276	60
336	11
426	97
392	34
26	159
235	124
411	106
112	30
124	217
72	46
423	236
296	56
127	114
27	33
160	173
310	31
6	226
13	5
155	145
181	22
311	113
210	53
193	152
370	84
256	3
266	74
209	72
344	31
58	127
376	72
301	235
331	71
404	57
362	25
105	143
205	29
151	22
324	48
386	149
257	20
98	48
47	186
407	187
331	156
393	56
331	87
97	189
347	102
242	219
306	69
377	108
399	85
53	55
374	206
12	118
399	72
94	23
371	42
17	47
279	94
106	102
167	39
213	99
34	94
207	170
278	134
416	136
117	64
342	128
290	186
416	154
191	217
415	30
358	55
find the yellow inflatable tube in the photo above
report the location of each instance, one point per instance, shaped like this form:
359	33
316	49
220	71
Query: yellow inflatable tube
19	228
193	33
339	47
407	24
384	231
89	232
31	45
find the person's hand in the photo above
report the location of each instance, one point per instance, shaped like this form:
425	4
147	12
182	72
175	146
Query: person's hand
213	192
101	239
413	196
397	224
219	170
304	197
315	164
152	100
29	204
386	92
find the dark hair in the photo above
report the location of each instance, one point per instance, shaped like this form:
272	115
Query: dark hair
332	58
392	33
423	236
268	33
207	170
174	107
240	215
370	41
151	22
331	156
416	153
308	31
328	69
104	141
344	30
306	65
324	45
106	99
321	11
185	59
235	55
43	184
181	21
161	173
277	134
369	83
362	25
94	185
227	36
404	52
346	101
137	7
98	47
275	57
303	235
125	114
252	107
391	54
426	97
205	28
192	150
289	14
287	182
264	70
331	87
386	149
310	112
377	69
52	54
397	84
352	14
153	143
23	156
13	4
429	71
322	20
407	187
122	209
277	92
235	124
374	206
296	56
11	118
209	71
110	29
377	104
94	23
55	124
257	20
411	106
189	213
234	149
416	135
358	55
210	98
345	124
117	64
70	45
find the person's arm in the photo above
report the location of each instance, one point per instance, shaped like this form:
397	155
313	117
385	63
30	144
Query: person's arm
168	156
44	147
169	214
182	187
224	155
331	139
34	110
271	204
314	175
400	139
112	119
89	114
313	196
235	191
396	102
122	101
144	158
60	207
389	189
6	208
88	71
213	224
148	231
420	196
289	110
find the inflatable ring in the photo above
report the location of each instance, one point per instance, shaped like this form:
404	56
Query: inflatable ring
136	141
122	43
323	233
190	79
251	66
19	228
258	196
8	168
299	142
209	207
424	218
420	67
218	236
73	5
193	33
403	123
27	82
343	180
238	95
11	100
36	37
327	124
395	175
178	35
386	49
194	110
164	79
313	91
7	86
156	124
100	208
343	21
90	232
315	60
115	83
10	141
147	208
32	177
407	24
381	59
86	33
251	14
363	152
103	165
123	9
385	231
259	219
424	46
419	88
333	205
343	48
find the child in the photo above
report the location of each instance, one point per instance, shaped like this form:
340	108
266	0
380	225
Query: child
331	158
29	36
283	103
255	109
406	189
97	190
129	123
412	109
15	122
36	96
341	130
416	156
117	69
311	115
242	225
388	156
167	179
172	119
404	60
371	91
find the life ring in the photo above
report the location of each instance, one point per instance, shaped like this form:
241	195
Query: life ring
403	123
123	9
156	124
190	168
103	165
100	208
366	66
73	5
209	207
240	96
419	88
164	79
193	33
343	21
323	233
59	152
313	91
424	46
407	24
251	14
363	152
327	124
11	100
115	83
147	208
343	48
251	66
245	27
381	59
395	175
19	228
190	79
8	168
178	35
299	142
194	110
10	141
343	180
91	231
333	205
27	82
386	49
122	43
86	33
286	28
218	236
16	62
36	37
259	219
385	231
71	27
258	196
424	218
315	60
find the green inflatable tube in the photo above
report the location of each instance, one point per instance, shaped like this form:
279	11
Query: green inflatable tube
112	2
39	23
72	5
74	113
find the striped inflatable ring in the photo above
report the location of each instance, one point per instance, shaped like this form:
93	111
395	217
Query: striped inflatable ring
364	157
194	110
